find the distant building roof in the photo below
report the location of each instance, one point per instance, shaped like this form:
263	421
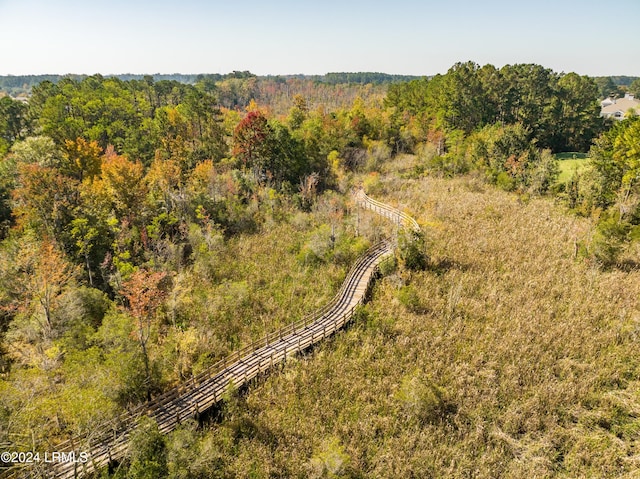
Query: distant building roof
617	108
607	101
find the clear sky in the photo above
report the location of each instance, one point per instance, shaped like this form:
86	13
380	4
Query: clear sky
285	36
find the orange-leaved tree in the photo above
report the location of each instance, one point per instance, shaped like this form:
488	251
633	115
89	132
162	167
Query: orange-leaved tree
33	282
144	295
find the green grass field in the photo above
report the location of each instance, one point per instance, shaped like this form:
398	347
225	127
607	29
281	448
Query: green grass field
570	163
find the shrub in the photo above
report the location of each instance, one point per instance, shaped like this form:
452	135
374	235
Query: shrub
371	184
408	297
147	449
505	182
545	173
422	400
388	266
377	153
411	247
611	235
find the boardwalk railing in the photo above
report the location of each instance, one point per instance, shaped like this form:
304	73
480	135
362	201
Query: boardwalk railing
187	400
385	210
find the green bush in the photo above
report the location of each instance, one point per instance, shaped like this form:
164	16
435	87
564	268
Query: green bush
411	246
505	182
147	450
408	297
611	235
388	266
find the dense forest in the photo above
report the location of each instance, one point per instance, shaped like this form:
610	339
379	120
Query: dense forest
151	226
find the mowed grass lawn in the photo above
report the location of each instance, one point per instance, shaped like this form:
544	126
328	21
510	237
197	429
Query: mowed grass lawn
569	163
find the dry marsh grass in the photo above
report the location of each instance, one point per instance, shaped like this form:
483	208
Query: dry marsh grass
509	358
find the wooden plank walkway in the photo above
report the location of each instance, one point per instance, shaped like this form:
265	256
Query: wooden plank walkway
110	442
398	217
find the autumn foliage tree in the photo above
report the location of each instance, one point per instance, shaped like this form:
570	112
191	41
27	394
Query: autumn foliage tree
143	296
270	150
83	158
250	137
123	180
48	274
44	199
34	279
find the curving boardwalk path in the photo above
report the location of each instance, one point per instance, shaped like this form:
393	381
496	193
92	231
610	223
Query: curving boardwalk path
196	395
399	217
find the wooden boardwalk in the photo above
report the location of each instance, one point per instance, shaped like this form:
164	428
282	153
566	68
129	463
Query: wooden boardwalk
398	217
189	399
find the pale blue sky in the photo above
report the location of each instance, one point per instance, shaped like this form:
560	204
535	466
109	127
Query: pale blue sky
282	36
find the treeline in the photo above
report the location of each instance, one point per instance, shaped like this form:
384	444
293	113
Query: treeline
237	89
64	133
620	80
617	86
20	85
559	112
505	123
498	121
363	78
15	85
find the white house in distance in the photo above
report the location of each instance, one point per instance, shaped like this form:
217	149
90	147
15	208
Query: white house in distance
617	108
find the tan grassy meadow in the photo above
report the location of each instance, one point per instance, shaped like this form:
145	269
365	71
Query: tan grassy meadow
508	357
